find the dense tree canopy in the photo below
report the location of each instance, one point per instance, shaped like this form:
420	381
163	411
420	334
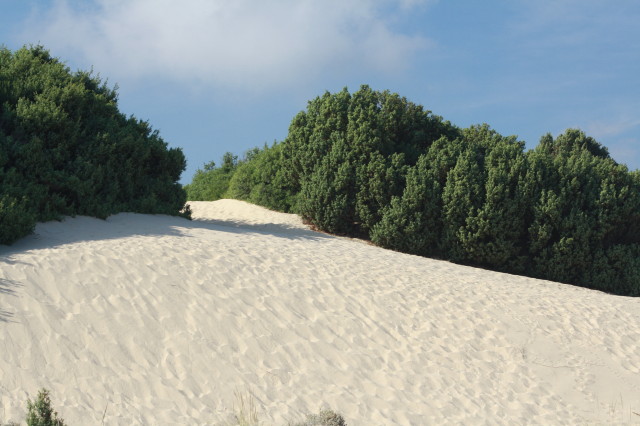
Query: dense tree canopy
65	149
374	165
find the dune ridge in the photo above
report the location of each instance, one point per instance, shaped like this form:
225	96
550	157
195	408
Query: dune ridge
159	319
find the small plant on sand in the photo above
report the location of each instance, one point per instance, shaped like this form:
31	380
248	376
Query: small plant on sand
245	411
246	414
323	418
40	412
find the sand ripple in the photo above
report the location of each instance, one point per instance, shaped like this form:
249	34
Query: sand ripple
159	320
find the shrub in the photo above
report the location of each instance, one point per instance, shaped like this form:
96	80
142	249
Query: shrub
260	179
483	203
371	164
347	154
16	219
212	182
40	412
65	149
324	418
584	215
327	197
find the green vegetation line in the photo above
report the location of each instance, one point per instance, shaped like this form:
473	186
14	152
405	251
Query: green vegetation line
373	165
65	149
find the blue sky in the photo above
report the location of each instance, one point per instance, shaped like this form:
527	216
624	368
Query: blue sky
227	75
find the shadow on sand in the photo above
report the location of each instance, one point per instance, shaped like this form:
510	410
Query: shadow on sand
82	228
7	287
76	229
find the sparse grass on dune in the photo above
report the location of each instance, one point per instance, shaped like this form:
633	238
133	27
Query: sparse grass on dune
246	414
244	410
41	413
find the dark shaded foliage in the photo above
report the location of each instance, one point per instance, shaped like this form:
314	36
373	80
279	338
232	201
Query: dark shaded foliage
65	149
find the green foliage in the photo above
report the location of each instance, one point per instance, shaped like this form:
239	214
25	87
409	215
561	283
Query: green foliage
347	155
40	412
344	159
16	219
378	180
212	183
65	149
571	142
413	222
327	197
585	216
371	164
261	179
483	205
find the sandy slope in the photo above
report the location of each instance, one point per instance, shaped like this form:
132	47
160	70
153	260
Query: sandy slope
159	320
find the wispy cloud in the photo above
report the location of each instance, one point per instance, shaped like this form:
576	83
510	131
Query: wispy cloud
619	132
621	125
224	43
591	24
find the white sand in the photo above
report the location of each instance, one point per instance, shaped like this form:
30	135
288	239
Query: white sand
159	320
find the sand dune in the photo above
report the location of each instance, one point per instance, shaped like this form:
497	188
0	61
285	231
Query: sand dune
159	320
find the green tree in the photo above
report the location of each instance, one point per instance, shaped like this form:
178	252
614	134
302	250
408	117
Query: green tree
65	149
260	179
373	164
381	133
41	413
584	216
327	197
413	222
484	205
378	181
462	198
211	183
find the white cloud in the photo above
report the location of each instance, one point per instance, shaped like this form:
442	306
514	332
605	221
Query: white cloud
255	45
